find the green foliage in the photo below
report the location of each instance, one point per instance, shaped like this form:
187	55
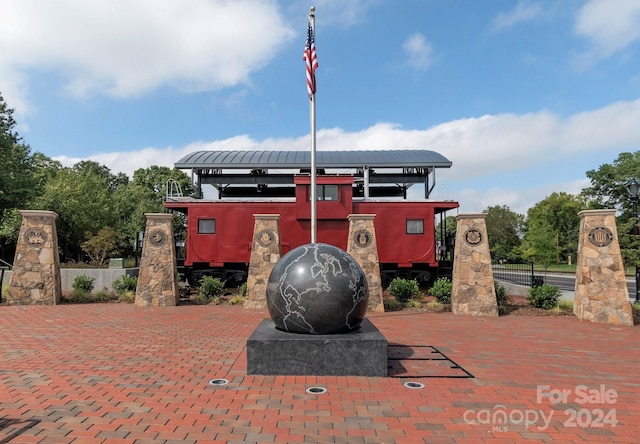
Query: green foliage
501	294
242	289
237	300
81	296
101	246
125	284
441	290
83	283
78	296
505	229
404	289
545	296
127	296
554	225
201	299
210	287
541	244
102	296
413	304
392	305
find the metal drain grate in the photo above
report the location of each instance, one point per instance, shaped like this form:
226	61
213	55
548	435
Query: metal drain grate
421	361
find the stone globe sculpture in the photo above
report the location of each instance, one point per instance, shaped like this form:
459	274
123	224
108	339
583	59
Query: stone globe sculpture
317	289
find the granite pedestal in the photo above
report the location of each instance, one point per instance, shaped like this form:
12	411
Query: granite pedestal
275	352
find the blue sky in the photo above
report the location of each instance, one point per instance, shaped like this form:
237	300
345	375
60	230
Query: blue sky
522	96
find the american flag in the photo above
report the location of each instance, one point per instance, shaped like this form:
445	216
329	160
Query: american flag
311	60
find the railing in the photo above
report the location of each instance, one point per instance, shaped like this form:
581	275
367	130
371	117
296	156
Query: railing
3	265
517	274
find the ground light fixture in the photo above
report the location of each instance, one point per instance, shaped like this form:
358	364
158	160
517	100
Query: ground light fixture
633	188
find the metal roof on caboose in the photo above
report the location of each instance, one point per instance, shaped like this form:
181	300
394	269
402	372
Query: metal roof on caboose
324	159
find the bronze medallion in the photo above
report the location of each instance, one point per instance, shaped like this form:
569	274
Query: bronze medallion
363	238
473	237
35	237
157	238
600	236
265	238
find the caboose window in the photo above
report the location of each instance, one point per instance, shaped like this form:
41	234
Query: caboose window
415	226
327	192
206	226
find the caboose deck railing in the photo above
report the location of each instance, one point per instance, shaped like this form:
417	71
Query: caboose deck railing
517	274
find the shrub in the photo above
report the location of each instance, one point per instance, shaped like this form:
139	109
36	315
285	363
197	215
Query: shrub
101	296
125	284
78	296
545	296
242	289
211	287
404	289
200	299
236	300
83	283
441	290
392	305
127	296
501	294
414	304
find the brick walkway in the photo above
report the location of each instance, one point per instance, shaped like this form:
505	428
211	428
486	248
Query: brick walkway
116	373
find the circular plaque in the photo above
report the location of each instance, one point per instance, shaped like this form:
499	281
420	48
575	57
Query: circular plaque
157	238
265	238
600	236
473	237
363	238
35	237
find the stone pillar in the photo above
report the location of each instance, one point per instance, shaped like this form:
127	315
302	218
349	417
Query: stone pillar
265	254
601	293
158	280
363	247
36	267
473	291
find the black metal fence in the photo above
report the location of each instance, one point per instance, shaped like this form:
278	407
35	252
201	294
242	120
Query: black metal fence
3	266
517	274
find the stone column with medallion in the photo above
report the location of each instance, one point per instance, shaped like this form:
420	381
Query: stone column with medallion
363	247
473	291
36	266
601	293
265	254
158	277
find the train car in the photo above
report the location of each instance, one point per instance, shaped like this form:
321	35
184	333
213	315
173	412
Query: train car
220	228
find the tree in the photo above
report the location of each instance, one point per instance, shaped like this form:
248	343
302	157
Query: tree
99	247
558	213
540	244
155	179
16	180
505	229
608	190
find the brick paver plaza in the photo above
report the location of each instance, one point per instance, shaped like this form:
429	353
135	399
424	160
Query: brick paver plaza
125	374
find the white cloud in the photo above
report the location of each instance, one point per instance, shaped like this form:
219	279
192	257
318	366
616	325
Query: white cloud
524	11
480	148
418	51
609	25
126	48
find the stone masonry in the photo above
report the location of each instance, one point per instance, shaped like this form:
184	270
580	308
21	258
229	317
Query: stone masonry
158	280
265	254
363	247
473	291
36	267
601	293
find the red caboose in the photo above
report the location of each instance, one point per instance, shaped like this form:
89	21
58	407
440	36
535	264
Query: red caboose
220	230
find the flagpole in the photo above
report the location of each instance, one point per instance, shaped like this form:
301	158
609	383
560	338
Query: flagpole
312	113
